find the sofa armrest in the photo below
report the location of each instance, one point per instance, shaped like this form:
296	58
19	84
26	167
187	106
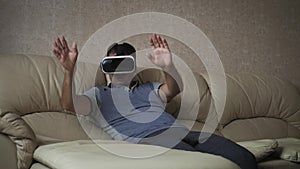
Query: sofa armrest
8	159
21	135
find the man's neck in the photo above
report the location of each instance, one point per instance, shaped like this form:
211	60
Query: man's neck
121	80
118	83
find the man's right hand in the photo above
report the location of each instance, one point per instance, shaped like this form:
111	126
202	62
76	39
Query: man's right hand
66	57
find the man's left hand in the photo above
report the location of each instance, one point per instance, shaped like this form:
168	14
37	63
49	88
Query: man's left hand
161	52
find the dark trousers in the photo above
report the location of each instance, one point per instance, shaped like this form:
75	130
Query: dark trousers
182	139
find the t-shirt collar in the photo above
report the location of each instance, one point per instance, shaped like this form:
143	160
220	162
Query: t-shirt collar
133	84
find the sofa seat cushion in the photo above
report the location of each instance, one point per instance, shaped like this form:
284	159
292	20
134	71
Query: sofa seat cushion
277	164
115	155
38	166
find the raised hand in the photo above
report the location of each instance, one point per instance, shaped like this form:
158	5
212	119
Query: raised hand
162	55
66	57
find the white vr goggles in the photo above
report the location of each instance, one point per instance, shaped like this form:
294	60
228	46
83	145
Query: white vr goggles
118	64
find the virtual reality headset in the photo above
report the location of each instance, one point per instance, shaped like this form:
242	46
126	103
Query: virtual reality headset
118	64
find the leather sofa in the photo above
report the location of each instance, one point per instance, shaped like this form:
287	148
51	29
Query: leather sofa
37	134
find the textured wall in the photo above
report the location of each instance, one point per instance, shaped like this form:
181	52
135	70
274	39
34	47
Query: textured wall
260	36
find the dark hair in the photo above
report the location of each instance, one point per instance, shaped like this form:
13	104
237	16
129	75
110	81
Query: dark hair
121	49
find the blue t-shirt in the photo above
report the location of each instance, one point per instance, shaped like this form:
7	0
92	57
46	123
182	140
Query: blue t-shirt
129	114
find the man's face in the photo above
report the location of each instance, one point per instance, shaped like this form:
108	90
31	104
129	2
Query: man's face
120	78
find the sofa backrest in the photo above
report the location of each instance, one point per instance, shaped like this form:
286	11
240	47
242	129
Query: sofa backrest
32	83
256	106
191	107
30	86
194	98
260	107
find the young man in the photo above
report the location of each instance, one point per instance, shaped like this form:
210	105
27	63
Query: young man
135	112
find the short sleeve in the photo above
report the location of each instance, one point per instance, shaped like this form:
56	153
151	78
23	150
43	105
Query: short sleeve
93	95
156	86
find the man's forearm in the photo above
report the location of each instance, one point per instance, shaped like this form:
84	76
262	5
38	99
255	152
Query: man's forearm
67	92
174	83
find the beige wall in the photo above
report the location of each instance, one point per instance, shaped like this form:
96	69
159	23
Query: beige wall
260	36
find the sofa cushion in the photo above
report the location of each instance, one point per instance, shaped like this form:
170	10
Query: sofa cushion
41	78
38	166
13	126
52	127
9	158
251	95
259	128
260	148
289	149
116	154
278	164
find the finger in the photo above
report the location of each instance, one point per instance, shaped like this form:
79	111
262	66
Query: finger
65	43
155	41
151	43
59	43
60	49
59	52
56	44
58	55
160	41
55	52
165	43
74	47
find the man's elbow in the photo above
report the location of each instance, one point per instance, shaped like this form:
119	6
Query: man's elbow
171	95
82	105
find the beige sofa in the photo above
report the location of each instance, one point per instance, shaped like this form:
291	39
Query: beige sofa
261	113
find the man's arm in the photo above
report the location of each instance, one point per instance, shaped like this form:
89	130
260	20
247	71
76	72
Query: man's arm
67	92
172	86
67	59
162	57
